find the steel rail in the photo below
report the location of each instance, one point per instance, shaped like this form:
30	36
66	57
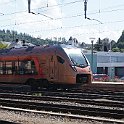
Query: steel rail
98	102
119	97
106	120
80	110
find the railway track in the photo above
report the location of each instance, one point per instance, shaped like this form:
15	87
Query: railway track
76	106
87	102
65	115
118	96
98	102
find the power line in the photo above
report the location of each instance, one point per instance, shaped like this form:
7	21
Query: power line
89	13
93	32
66	17
29	2
43	7
105	11
64	4
21	23
2	14
73	16
14	13
77	34
120	5
17	24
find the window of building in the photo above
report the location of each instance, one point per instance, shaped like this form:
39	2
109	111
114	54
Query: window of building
120	59
103	59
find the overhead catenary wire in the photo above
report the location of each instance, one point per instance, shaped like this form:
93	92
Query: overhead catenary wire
77	26
65	4
36	31
73	16
63	17
21	23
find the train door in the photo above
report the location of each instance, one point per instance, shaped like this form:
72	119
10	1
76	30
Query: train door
53	68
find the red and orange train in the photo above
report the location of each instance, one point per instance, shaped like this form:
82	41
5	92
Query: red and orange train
38	66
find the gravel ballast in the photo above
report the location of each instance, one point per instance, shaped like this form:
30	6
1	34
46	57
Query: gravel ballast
33	118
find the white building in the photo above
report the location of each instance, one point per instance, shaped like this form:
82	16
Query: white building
111	63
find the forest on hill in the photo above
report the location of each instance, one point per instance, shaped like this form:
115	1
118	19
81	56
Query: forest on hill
101	44
9	36
120	43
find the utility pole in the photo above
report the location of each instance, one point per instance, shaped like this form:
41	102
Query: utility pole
29	6
92	40
85	8
29	10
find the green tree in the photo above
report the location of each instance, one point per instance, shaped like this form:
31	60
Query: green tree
120	43
116	49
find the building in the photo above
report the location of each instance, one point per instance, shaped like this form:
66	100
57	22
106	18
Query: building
110	63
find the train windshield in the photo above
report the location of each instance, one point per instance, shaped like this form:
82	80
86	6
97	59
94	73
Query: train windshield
77	58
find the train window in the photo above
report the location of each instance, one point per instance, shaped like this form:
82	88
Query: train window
18	67
15	67
8	67
4	68
60	60
27	67
1	67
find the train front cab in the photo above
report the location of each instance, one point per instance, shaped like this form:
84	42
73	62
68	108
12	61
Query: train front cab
80	68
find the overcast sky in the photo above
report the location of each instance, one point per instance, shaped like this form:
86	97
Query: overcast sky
64	18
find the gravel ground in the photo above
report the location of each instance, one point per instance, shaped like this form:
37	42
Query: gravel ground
31	118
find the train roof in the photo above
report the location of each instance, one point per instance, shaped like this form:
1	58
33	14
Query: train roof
71	49
38	50
27	50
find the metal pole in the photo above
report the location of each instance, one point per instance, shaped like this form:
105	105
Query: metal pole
92	55
85	8
29	6
92	39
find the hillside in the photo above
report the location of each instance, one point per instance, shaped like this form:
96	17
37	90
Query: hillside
9	36
119	46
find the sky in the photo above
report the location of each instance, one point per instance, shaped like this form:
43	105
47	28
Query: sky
64	18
